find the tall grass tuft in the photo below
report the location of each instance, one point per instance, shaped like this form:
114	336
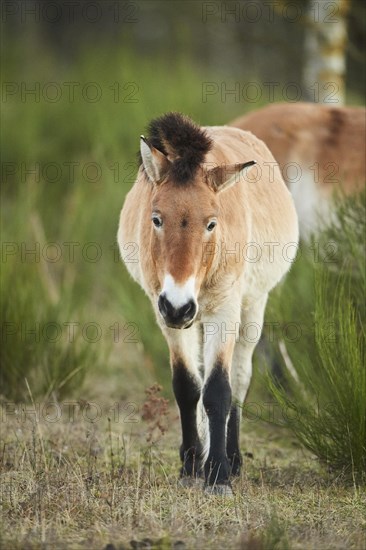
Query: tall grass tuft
43	344
325	396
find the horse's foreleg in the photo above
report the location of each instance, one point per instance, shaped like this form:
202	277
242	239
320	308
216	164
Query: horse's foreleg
217	394
184	351
241	373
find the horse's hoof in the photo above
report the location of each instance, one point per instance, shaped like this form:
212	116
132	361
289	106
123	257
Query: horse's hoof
190	481
219	490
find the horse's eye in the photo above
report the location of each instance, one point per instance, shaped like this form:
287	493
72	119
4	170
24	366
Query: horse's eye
157	221
211	226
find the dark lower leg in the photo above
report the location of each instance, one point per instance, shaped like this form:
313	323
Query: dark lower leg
187	393
232	446
217	402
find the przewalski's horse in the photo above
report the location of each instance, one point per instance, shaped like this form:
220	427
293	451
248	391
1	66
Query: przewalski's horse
319	148
212	240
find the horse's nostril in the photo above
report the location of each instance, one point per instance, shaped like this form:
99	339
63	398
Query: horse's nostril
189	310
163	305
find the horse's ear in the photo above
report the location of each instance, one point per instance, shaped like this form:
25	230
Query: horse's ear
223	177
155	162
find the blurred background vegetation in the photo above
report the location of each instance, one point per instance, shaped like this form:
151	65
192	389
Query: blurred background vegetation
79	85
321	343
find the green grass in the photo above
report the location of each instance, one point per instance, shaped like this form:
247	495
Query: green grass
326	403
49	136
84	484
43	138
37	299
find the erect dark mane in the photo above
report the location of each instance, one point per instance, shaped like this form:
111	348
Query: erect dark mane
184	142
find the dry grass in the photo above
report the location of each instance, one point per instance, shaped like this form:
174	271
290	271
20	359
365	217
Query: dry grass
86	485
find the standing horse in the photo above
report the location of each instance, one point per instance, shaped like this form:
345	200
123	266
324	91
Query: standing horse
214	231
322	145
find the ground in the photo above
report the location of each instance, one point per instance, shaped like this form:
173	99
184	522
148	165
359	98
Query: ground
92	473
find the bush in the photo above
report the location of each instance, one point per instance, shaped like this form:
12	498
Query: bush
326	394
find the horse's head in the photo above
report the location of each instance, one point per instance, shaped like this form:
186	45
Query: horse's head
185	212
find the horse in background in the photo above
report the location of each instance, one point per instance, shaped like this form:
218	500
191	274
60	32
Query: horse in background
320	148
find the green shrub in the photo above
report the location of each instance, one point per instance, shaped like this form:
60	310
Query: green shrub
325	397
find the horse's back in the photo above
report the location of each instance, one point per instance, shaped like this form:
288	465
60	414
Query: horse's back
259	212
316	137
263	191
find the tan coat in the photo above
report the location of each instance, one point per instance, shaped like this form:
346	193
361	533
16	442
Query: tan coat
207	252
319	148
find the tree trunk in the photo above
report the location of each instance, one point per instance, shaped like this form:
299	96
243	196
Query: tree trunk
325	51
